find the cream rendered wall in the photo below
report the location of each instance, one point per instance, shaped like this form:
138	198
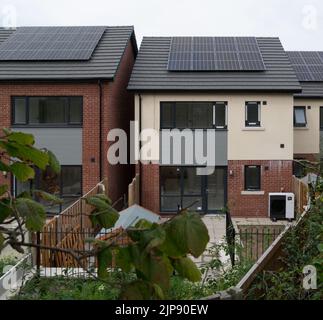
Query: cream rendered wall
243	144
262	143
307	140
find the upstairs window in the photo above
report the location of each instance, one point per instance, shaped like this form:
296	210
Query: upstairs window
252	178
321	118
47	111
193	115
252	114
300	117
219	115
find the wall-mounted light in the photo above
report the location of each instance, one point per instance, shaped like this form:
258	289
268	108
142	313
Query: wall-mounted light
231	173
5	174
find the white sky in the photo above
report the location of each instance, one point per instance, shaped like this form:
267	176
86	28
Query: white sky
298	23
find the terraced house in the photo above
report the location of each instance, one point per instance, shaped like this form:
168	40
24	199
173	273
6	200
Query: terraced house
67	86
308	118
243	88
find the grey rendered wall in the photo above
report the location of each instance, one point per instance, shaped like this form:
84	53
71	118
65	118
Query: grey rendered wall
220	148
65	143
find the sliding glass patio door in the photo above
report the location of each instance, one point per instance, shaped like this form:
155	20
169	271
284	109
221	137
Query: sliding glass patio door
182	187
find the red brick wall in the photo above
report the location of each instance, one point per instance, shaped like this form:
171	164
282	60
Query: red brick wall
278	178
118	112
150	187
90	93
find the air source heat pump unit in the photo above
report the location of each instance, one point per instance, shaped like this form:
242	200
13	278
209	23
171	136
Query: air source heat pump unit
281	206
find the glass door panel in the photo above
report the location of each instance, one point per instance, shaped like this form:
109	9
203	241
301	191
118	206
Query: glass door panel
216	185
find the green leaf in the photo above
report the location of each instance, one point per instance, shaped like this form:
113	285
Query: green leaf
124	259
185	234
104	261
106	218
5	210
4	167
143	224
148	239
53	162
21	138
22	171
103	197
47	196
155	268
136	290
186	268
158	292
153	238
3	189
27	153
33	212
320	247
99	204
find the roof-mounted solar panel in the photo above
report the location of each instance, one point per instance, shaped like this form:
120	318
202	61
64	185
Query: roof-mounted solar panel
51	43
215	54
308	65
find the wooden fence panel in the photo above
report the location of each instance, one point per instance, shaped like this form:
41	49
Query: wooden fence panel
68	231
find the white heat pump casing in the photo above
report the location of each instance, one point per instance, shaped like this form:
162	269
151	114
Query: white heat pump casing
290	204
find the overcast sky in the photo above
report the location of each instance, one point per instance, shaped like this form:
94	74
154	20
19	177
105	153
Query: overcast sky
299	23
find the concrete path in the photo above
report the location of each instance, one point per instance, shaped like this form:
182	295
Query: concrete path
216	225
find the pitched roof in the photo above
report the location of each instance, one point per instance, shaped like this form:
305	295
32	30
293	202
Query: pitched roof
150	71
103	63
311	90
306	64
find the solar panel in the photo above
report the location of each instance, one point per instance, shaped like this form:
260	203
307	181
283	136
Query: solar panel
51	43
215	54
307	65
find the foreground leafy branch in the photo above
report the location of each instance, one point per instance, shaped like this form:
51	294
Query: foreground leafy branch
153	253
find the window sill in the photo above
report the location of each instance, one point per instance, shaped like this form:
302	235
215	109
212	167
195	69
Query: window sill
252	193
253	129
17	126
301	128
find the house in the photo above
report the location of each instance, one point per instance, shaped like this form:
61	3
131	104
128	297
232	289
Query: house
308	118
241	89
68	87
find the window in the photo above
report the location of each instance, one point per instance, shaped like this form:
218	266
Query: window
170	188
252	178
321	118
253	114
181	187
49	111
193	115
219	115
300	117
67	186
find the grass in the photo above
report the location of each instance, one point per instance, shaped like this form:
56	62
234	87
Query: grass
60	288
